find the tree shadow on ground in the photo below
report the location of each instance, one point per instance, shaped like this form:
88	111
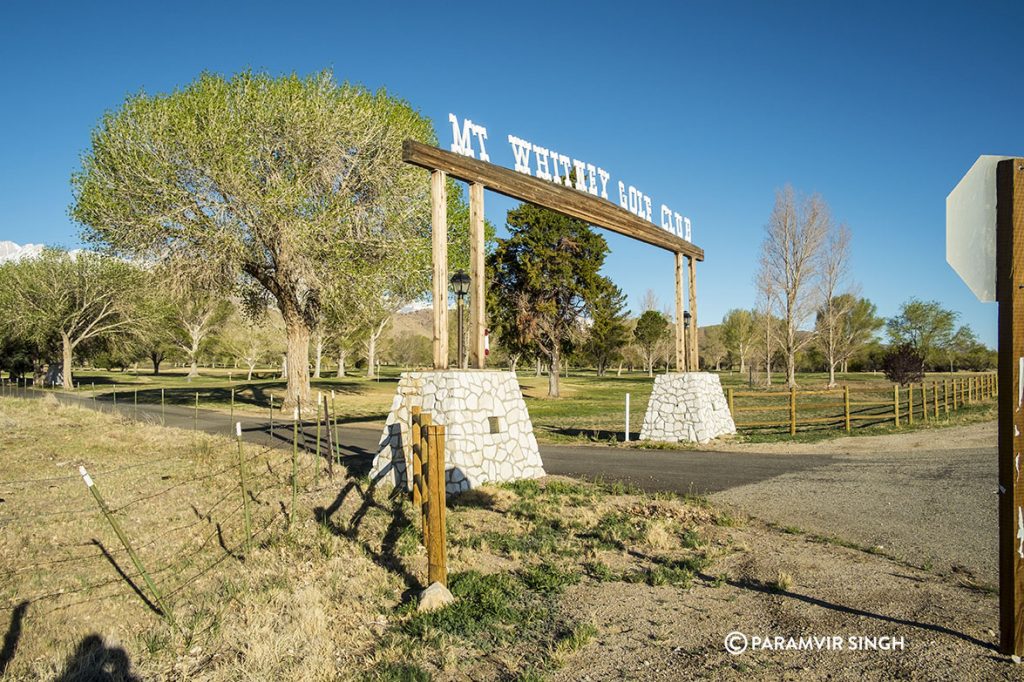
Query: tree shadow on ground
94	661
599	435
386	557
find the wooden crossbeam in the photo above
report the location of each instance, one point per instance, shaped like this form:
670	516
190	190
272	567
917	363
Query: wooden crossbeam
576	204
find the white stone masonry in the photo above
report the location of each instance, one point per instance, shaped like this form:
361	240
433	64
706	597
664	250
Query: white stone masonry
687	407
488	430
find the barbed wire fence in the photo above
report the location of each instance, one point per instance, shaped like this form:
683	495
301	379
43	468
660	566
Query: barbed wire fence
125	532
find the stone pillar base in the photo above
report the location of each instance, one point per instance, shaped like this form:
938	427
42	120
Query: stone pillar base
488	430
687	407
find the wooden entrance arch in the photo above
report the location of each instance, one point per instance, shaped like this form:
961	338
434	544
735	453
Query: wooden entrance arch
571	202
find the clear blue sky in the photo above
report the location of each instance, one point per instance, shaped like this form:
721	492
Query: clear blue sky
709	107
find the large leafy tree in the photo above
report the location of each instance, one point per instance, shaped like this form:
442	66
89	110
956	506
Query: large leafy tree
546	276
85	298
651	331
287	187
609	327
926	325
739	332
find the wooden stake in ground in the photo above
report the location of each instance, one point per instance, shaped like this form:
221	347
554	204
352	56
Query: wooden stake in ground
437	564
1010	294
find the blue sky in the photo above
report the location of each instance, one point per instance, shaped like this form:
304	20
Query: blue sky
709	107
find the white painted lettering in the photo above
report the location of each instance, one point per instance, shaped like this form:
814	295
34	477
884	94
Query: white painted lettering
541	155
521	152
604	175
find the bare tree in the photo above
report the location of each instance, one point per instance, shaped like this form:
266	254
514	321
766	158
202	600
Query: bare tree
790	262
765	322
835	307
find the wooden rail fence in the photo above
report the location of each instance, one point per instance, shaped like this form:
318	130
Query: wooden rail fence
848	406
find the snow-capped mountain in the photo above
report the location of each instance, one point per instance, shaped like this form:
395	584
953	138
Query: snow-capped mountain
9	251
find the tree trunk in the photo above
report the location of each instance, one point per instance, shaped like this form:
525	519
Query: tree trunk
371	356
341	364
296	366
790	369
157	358
284	366
249	376
513	361
831	375
68	354
619	373
553	376
538	367
193	371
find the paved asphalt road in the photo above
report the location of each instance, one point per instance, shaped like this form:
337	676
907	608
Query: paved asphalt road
651	470
929	507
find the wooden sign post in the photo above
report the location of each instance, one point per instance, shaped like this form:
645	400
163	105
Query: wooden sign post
1010	294
566	200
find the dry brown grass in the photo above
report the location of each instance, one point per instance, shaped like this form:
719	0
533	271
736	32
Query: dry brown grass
327	599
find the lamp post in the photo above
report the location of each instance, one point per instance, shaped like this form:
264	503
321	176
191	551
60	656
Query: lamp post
686	336
460	285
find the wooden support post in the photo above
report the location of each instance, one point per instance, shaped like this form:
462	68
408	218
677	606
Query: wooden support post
691	266
477	278
439	237
846	406
935	397
415	436
896	403
681	363
792	411
437	569
426	420
945	396
1010	294
732	412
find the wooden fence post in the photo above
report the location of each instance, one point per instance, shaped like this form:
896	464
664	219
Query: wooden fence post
945	396
846	406
732	412
910	404
437	569
792	411
935	398
896	403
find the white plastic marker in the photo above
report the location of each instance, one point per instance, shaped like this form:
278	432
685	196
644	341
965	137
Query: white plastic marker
85	477
238	429
627	417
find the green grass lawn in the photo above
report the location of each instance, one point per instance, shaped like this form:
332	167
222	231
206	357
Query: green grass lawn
591	408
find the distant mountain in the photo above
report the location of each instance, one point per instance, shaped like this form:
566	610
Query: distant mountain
9	251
